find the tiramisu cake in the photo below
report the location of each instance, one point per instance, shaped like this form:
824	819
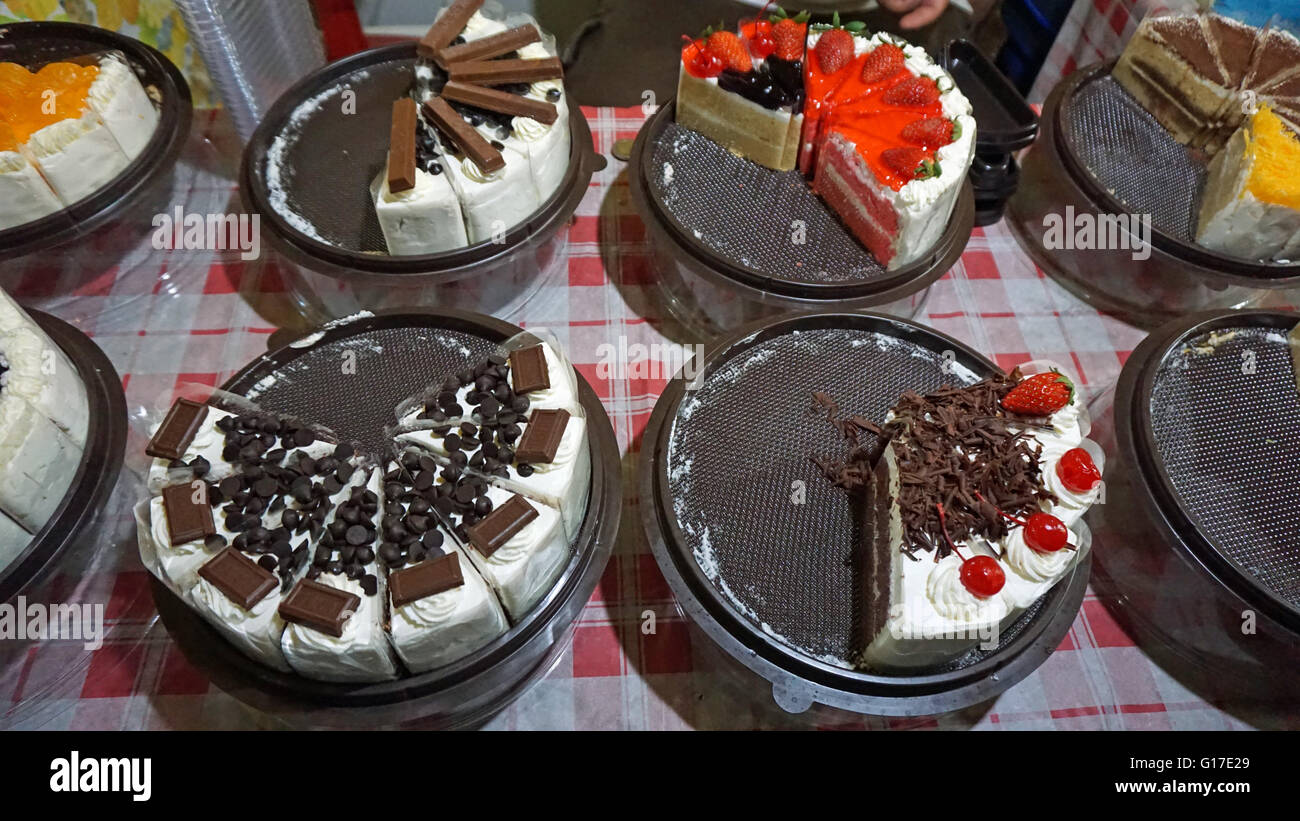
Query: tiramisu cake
311	558
1251	203
883	132
486	141
43	419
1200	75
65	131
969	513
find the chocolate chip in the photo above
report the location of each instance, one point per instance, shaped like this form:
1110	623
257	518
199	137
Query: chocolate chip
524	469
390	553
303	437
214	542
369	584
357	535
268	563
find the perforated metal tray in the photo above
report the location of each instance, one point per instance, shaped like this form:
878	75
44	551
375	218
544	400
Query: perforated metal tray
1131	164
771	578
38	43
1217	429
350	379
764	228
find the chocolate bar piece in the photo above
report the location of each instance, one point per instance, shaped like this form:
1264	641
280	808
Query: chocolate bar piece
238	577
177	430
428	578
401	147
500	101
487	158
186	521
542	438
501	525
500	72
447	27
528	371
485	48
319	607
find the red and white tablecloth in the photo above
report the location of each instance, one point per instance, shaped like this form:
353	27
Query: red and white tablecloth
171	316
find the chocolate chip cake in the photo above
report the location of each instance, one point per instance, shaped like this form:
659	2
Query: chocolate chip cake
314	558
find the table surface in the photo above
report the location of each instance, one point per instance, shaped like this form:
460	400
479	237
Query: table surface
166	317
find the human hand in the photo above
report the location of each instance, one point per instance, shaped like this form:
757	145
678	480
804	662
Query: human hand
915	13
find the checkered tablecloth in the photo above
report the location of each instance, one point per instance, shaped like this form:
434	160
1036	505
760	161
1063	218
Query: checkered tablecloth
169	317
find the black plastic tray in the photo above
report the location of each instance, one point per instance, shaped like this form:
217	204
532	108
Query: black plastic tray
42	42
466	691
819	578
340	177
1004	121
101	460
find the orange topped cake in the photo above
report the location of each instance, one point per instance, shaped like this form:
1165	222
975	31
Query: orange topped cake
1251	206
884	132
69	128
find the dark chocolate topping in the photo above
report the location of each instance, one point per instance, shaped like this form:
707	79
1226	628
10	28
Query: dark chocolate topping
425	579
187	520
178	429
319	607
950	445
501	525
541	439
238	577
528	368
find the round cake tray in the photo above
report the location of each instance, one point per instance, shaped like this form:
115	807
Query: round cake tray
324	179
1104	161
1197	551
757	546
397	355
144	186
73	524
720	268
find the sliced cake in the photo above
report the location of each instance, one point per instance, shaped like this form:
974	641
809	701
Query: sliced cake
441	609
1251	204
967	513
745	91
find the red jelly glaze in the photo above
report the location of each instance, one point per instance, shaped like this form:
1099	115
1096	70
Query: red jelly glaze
982	576
1045	533
1077	471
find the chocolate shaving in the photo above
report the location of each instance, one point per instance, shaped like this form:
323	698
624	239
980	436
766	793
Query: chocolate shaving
953	447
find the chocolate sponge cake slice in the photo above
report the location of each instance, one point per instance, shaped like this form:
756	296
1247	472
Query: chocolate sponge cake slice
882	529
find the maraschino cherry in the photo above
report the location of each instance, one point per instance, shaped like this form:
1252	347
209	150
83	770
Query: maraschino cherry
1043	532
1077	471
699	61
758	33
981	575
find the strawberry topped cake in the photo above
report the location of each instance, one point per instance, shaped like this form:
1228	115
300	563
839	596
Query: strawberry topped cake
883	132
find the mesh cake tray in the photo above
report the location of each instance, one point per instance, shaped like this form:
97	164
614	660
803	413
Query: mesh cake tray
396	355
72	526
34	44
339	144
770	579
679	177
1206	421
1103	154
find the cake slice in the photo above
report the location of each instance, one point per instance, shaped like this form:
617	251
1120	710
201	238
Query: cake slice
965	514
24	194
894	142
417	207
344	560
38	371
14	539
77	156
1251	204
38	462
441	609
745	91
122	104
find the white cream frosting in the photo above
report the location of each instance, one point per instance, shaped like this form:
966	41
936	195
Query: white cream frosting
38	462
40	372
78	156
523	570
122	104
426	219
178	564
439	629
13	540
24	194
255	632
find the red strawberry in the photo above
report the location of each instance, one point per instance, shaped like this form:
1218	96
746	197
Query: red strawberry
789	37
884	62
909	163
912	91
727	45
1040	395
931	131
834	50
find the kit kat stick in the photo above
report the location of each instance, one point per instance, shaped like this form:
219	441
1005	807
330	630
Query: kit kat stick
487	158
500	72
447	27
485	48
500	101
401	147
